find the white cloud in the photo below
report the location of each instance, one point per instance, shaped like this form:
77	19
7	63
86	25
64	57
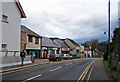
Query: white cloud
76	19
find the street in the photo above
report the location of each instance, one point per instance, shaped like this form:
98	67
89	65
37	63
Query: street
63	70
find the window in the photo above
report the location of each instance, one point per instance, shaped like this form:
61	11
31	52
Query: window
5	18
36	40
4	46
29	38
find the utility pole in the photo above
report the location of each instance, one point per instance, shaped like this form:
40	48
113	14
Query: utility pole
109	61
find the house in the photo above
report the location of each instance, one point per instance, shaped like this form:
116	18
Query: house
88	52
82	50
64	47
12	13
49	47
74	47
30	41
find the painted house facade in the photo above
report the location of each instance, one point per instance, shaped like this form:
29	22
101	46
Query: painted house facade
31	42
74	47
87	52
49	47
12	13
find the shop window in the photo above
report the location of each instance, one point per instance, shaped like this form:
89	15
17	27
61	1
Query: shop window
36	40
29	38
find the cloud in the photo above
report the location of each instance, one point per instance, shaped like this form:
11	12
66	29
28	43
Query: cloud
75	19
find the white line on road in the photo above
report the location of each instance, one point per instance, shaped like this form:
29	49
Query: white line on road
90	73
32	78
55	69
68	64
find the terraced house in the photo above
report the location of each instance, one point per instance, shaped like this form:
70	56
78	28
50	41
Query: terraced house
64	47
49	47
74	47
31	42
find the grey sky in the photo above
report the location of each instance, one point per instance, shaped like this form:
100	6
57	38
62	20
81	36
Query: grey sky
79	20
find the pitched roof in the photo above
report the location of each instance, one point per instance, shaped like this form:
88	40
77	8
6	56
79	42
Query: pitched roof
60	42
76	44
20	9
28	31
46	42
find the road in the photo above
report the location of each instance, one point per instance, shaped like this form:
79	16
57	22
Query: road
76	69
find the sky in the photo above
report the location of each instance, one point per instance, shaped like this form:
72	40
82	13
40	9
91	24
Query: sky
80	20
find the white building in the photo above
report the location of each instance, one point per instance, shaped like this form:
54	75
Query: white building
12	13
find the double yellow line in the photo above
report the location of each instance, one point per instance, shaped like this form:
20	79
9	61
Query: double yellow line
81	78
20	69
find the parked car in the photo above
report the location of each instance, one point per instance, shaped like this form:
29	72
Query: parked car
67	56
76	55
55	57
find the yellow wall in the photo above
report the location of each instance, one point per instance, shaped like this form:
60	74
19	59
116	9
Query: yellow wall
32	44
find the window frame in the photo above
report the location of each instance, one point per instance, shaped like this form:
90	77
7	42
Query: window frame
5	46
5	18
36	40
30	38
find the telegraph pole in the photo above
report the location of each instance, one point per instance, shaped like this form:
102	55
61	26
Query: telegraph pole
109	61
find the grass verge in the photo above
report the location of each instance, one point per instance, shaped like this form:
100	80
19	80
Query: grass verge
113	74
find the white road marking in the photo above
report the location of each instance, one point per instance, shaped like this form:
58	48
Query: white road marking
55	69
90	73
68	64
32	78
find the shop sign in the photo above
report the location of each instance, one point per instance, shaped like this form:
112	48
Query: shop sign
54	48
65	49
49	48
32	48
44	48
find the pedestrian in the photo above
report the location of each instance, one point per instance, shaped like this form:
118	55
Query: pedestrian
22	55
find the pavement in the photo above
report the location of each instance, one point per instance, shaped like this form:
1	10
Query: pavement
37	62
98	72
68	70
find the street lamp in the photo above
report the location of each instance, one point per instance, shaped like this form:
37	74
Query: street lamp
109	62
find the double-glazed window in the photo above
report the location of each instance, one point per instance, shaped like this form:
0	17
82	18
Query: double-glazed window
36	40
30	38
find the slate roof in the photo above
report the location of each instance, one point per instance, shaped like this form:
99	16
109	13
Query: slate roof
76	44
60	42
28	31
46	42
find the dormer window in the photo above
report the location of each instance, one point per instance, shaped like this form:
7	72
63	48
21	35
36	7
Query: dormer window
4	18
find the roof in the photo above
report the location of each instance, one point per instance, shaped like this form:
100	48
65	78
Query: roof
60	42
46	42
76	44
28	31
20	9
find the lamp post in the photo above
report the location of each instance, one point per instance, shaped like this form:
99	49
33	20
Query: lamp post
109	62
